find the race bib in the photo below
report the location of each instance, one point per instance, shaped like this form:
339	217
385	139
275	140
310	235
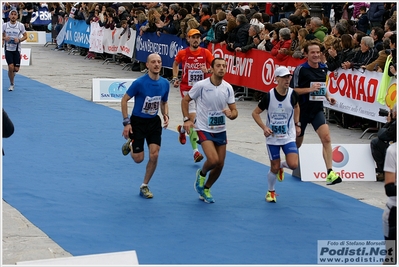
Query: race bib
319	95
278	123
216	120
195	76
151	105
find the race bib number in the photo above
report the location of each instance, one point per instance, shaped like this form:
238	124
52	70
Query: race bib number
151	105
216	120
278	123
319	95
195	76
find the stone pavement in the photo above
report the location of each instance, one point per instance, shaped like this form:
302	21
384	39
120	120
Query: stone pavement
22	241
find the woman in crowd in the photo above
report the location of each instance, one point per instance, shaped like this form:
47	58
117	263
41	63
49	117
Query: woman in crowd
302	33
280	50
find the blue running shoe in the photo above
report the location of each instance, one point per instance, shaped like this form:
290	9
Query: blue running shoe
206	196
199	182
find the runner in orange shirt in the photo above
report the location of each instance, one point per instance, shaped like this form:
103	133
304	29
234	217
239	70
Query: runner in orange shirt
195	67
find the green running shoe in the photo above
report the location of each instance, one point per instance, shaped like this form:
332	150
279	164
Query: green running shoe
199	182
333	178
271	196
206	196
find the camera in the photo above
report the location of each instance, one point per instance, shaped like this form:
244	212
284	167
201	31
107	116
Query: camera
383	112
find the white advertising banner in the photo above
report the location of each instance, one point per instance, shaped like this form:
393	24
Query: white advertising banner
356	93
351	162
96	38
113	43
25	57
110	90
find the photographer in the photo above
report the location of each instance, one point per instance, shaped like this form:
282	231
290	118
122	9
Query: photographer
385	136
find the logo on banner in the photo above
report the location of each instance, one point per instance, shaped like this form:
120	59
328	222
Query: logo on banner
340	157
117	89
268	72
218	53
32	37
138	42
173	49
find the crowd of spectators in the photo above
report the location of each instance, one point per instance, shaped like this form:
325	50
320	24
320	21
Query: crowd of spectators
358	35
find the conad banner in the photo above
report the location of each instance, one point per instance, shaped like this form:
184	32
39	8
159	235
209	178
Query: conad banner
356	93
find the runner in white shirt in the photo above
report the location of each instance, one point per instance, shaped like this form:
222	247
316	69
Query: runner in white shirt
13	34
215	101
281	128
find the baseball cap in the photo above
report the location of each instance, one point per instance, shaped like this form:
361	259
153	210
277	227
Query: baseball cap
193	32
14	10
281	72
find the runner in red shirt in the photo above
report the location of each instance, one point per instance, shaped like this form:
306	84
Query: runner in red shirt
195	67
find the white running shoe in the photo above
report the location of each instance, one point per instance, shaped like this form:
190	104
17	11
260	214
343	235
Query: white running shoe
11	88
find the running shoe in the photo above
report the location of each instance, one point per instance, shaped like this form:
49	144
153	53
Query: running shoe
280	175
271	196
182	136
145	192
199	182
11	88
206	196
198	156
126	147
333	178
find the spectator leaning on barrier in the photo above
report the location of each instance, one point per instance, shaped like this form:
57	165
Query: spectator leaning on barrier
379	63
364	56
265	37
280	50
253	39
240	36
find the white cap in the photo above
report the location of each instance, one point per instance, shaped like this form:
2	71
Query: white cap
281	72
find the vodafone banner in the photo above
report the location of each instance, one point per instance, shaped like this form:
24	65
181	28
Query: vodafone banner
346	162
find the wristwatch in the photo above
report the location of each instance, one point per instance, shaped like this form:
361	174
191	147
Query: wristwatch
186	119
298	124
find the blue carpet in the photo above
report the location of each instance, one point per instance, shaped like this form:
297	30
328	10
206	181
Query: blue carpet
63	169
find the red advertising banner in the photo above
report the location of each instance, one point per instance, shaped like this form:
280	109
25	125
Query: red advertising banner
253	69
